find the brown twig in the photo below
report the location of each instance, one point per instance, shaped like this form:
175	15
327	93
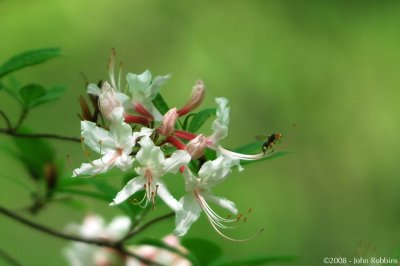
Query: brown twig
145	226
6	119
8	258
99	242
38	135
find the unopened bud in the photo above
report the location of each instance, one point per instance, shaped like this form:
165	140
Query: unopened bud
168	123
108	100
195	100
196	146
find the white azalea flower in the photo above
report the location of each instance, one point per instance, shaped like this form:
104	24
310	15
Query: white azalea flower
220	131
94	227
152	166
115	145
144	90
199	192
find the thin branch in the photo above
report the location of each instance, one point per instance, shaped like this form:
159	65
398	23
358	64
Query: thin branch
21	119
99	242
8	122
38	135
145	226
8	258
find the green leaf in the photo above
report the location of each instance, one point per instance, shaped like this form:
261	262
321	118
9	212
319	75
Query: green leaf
52	94
200	118
31	92
160	104
272	156
35	154
161	244
205	251
255	260
28	58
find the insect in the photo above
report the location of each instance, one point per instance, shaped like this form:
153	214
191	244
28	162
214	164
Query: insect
270	141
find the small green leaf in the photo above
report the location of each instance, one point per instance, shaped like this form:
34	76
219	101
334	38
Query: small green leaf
52	94
161	244
205	251
35	154
28	58
255	260
30	93
160	104
200	118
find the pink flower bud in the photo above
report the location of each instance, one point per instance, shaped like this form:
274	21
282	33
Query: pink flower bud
196	146
168	123
108	100
195	100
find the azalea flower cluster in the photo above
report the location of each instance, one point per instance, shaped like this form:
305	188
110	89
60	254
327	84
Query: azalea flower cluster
138	136
94	226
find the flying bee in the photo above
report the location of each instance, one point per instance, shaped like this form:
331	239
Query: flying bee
270	141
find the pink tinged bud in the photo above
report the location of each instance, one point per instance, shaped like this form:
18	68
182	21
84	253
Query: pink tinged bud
168	123
140	109
137	119
195	100
197	146
108	100
182	134
178	144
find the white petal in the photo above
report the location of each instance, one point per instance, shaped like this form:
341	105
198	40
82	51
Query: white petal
214	172
177	159
166	196
98	166
129	189
124	162
144	131
93	226
148	153
156	84
97	138
221	123
119	130
139	85
93	89
188	215
118	227
223	202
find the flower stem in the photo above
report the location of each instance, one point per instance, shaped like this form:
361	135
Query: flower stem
8	258
8	122
38	135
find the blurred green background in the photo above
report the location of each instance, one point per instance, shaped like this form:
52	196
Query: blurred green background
331	67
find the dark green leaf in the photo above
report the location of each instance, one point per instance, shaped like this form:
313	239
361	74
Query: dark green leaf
30	93
256	260
36	155
160	244
28	58
52	94
200	118
205	251
160	104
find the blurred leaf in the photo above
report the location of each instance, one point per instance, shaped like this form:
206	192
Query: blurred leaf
52	94
160	244
28	58
205	251
255	260
272	156
200	118
160	104
35	154
90	194
13	89
31	92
